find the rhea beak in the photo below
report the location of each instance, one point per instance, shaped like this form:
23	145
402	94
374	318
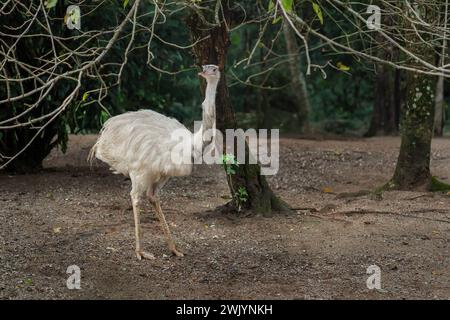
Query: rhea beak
202	74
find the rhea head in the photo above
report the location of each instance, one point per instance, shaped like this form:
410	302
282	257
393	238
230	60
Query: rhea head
210	72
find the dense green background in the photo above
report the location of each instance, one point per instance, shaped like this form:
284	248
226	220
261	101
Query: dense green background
340	104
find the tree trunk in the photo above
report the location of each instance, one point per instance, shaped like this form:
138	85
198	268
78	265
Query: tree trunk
387	103
439	119
413	166
213	50
384	93
399	99
298	83
439	116
263	108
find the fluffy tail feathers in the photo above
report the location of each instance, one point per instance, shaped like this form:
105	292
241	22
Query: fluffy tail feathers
92	154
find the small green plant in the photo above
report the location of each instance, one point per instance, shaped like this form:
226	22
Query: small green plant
241	196
231	165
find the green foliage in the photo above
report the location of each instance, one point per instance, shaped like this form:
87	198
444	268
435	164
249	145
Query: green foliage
341	103
85	96
242	194
318	11
141	87
104	116
345	106
50	3
271	6
229	163
287	6
342	66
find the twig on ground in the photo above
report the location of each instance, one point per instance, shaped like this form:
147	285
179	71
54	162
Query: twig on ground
419	196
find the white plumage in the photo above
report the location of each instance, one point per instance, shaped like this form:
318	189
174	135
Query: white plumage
139	145
141	141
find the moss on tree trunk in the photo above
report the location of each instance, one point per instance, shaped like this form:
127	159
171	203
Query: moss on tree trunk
413	166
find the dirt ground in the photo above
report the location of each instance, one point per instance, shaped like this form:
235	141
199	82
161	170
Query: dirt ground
69	214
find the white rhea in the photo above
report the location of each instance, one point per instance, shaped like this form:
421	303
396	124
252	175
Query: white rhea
139	145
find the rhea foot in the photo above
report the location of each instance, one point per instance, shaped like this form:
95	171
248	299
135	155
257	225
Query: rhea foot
177	253
142	254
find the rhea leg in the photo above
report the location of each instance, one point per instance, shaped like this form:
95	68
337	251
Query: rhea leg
165	227
135	199
153	197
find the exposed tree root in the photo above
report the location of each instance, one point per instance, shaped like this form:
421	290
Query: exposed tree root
434	185
357	194
328	218
354	212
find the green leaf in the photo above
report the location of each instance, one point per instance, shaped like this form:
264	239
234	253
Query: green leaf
318	11
103	117
287	5
85	96
277	19
228	159
125	3
242	194
235	38
342	66
50	3
271	7
229	163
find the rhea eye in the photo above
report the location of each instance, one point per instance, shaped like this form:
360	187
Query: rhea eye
215	69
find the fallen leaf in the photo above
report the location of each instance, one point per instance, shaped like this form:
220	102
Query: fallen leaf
327	190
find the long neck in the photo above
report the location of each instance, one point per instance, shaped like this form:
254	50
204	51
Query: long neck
208	117
209	106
